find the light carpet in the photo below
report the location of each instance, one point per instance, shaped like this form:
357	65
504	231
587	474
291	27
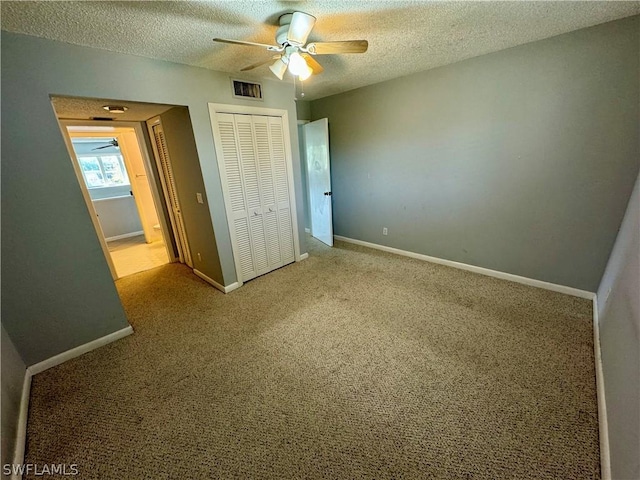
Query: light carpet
352	364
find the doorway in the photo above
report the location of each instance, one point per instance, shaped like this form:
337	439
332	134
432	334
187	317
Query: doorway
318	163
110	163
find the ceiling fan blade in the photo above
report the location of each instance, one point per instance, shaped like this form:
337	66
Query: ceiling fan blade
300	28
312	62
110	143
241	42
259	64
329	48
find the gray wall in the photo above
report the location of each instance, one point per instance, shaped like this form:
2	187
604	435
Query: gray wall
619	317
181	145
303	110
118	216
57	290
13	372
521	161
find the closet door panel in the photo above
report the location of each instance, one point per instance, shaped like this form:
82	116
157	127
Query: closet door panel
286	240
233	175
263	151
244	129
267	189
231	160
243	240
279	164
259	242
252	191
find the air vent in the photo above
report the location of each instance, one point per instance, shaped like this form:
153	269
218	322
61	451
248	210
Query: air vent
104	119
242	89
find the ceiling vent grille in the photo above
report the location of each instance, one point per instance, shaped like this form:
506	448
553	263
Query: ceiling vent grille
242	89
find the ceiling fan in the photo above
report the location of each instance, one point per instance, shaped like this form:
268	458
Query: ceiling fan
109	144
292	50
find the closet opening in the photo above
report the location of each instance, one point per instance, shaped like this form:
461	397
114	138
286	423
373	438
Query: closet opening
253	152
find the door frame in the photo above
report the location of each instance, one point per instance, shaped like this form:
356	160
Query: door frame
183	253
215	108
113	129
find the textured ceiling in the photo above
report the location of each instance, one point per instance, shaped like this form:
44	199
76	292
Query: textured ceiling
72	108
404	36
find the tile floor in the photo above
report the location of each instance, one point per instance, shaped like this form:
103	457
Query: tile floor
132	255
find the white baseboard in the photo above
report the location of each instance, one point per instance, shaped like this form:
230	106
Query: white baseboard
21	434
124	235
211	281
76	352
304	256
232	287
472	268
605	459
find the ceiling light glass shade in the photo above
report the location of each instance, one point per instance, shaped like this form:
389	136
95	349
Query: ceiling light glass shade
297	64
305	74
278	68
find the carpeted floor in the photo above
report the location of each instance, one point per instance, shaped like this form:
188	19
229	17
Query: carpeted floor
351	364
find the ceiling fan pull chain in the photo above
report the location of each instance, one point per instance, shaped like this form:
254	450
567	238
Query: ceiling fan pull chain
295	88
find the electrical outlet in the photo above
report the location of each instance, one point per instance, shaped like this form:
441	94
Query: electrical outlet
199	256
199	198
385	231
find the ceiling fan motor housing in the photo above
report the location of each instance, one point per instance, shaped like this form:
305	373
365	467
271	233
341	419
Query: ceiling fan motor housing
283	29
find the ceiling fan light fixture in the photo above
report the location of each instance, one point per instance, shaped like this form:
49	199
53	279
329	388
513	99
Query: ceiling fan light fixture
115	108
279	68
297	64
306	73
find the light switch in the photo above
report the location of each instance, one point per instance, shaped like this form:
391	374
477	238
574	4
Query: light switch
199	198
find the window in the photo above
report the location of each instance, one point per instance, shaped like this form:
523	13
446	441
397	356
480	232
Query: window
101	171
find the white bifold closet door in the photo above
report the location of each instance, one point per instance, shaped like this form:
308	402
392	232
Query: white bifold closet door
169	186
255	174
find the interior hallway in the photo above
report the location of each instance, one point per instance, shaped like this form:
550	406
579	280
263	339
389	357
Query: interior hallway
132	255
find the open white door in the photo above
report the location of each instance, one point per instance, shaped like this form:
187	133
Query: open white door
316	136
132	156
